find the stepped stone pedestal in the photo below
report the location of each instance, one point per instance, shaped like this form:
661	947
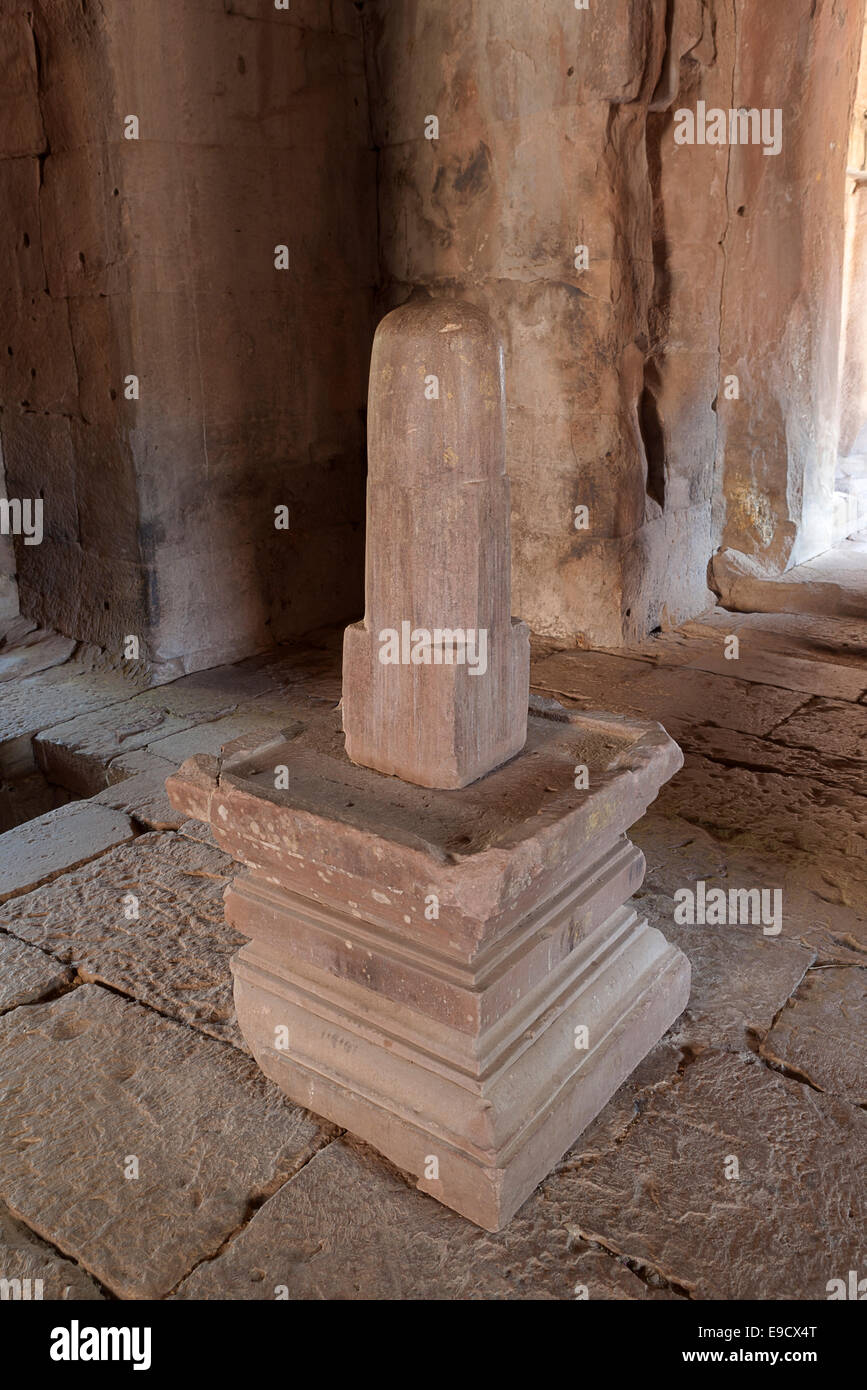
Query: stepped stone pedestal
419	961
444	962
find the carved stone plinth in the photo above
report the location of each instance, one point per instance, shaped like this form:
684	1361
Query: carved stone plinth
457	977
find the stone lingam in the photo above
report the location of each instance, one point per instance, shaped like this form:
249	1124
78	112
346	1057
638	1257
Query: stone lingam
442	954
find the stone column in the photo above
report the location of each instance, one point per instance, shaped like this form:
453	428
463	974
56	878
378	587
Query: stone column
436	677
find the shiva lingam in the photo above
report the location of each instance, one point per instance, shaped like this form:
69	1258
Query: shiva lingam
442	954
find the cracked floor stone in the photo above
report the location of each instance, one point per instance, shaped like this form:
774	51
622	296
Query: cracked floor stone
33	1270
134	1144
348	1226
790	1221
148	920
741	977
807	830
27	973
45	848
820	1034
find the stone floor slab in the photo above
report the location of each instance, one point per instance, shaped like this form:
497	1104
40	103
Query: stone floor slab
807	636
786	672
812	833
27	973
836	933
736	749
76	751
704	698
36	1272
662	693
817	636
350	1227
39	850
173	956
680	853
677	851
740	978
268	715
822	1033
830	583
791	1221
33	704
93	1081
38	652
143	798
832	729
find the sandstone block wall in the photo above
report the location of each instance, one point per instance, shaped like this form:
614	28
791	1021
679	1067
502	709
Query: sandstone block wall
155	257
306	128
853	354
784	246
556	128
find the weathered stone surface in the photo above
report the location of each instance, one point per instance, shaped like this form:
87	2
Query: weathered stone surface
617	369
267	715
78	751
832	929
195	830
349	1226
595	677
143	797
56	842
734	704
437	558
820	639
779	492
853	366
836	731
819	586
21	129
96	284
679	853
660	1069
811	833
173	956
779	753
94	1080
131	764
759	665
27	974
38	652
812	636
641	688
821	1034
741	978
15	629
57	694
778	1231
24	1257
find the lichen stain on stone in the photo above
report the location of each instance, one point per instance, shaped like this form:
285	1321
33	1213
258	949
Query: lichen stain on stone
754	510
475	176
